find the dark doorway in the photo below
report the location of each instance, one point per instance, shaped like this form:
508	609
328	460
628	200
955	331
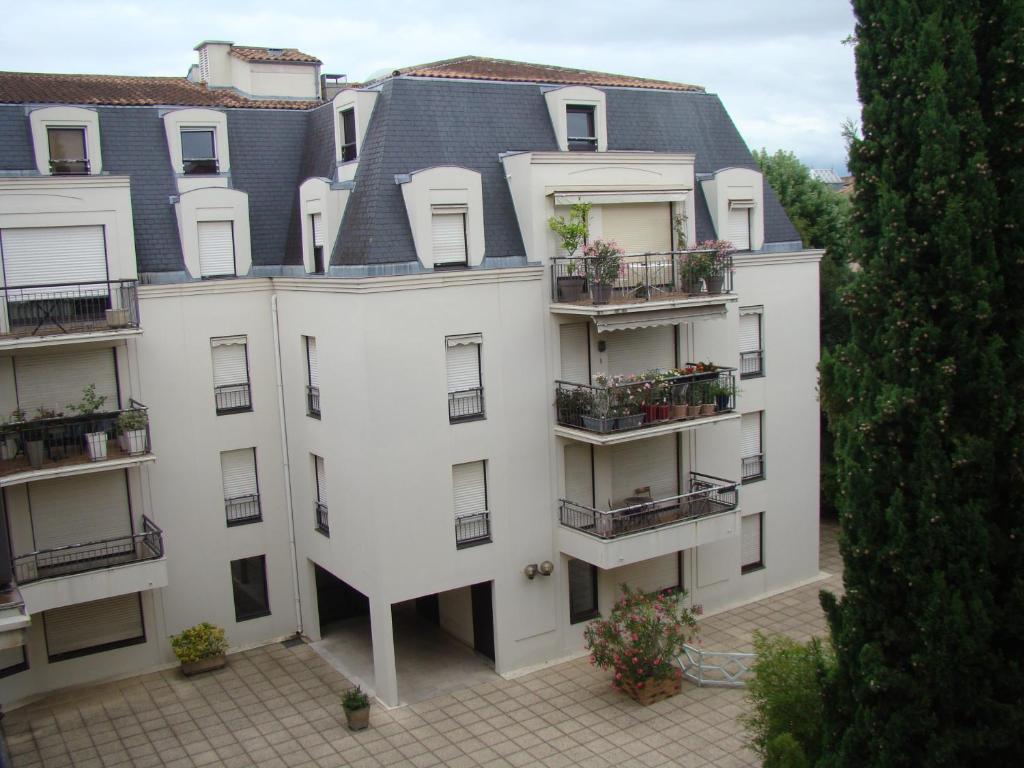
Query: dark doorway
336	600
483	619
428	608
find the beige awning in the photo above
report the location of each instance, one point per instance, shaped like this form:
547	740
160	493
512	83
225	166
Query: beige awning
675	316
618	198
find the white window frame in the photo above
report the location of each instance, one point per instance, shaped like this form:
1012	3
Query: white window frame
254	496
760	452
469	406
457	212
220	341
211	129
759	564
559	99
760	370
177	119
469	517
40	120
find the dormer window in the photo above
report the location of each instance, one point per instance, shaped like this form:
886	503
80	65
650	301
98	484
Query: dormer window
348	134
68	153
198	151
581	128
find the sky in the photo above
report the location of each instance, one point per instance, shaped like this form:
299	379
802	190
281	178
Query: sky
780	66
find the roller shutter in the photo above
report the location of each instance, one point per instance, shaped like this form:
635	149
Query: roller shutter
321	479
312	361
463	364
639	350
78	510
652	462
96	623
579	484
738	230
750	331
318	230
575	350
638	227
216	248
750	439
229	362
46	255
55	379
652	575
469	488
750	537
238	471
449	237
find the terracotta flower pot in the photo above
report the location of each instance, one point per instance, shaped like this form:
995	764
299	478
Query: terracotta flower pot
357	719
707	409
679	412
692	411
662	412
650	691
203	665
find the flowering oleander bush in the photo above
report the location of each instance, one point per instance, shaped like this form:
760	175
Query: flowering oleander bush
202	641
607	259
641	637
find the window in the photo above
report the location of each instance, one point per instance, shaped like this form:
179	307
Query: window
581	132
465	394
231	375
469	489
312	378
68	154
449	235
582	591
751	449
13	660
198	151
348	134
216	248
317	226
249	585
751	349
93	627
241	488
752	543
738	230
321	520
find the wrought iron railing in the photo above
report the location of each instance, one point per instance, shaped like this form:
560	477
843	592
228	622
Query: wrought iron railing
708	495
55	308
751	364
639	402
313	401
321	520
53	438
466	404
68	167
243	509
716	669
752	467
640	277
147	544
233	398
473	529
198	166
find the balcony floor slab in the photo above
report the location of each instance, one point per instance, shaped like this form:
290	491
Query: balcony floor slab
643	433
18	471
669	301
13	342
86	586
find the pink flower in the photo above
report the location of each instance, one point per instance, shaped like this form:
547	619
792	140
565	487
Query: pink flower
639	685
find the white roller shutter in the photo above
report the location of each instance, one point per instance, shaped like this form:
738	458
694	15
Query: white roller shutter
638	227
750	332
78	510
649	576
238	472
449	237
750	540
579	485
575	351
313	362
43	255
216	248
229	364
652	462
318	230
469	488
55	379
750	440
463	362
99	622
321	479
639	350
738	230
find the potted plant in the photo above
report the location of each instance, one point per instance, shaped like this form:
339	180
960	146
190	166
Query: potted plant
357	708
627	403
679	393
131	426
715	261
605	261
572	234
600	418
9	436
572	403
35	439
707	399
722	395
200	648
95	442
639	642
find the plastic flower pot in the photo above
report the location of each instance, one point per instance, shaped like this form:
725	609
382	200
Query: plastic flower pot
357	719
8	447
96	445
570	288
134	441
601	293
36	450
203	665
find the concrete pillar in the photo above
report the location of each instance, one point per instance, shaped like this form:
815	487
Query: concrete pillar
385	672
602	477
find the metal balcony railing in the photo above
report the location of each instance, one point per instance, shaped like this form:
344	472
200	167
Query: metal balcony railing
473	529
708	496
51	439
752	467
321	519
631	402
69	167
466	404
313	401
751	364
55	308
148	544
243	509
641	277
232	398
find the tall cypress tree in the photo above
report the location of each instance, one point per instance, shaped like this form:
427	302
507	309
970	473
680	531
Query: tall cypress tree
921	405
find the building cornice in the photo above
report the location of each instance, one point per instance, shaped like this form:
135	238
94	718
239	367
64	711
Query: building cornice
762	259
49	183
602	159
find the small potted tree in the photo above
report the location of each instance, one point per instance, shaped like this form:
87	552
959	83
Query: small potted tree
606	260
200	648
714	263
357	709
572	233
132	428
95	442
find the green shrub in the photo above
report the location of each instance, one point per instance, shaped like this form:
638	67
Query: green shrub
132	420
785	752
786	699
354	699
199	642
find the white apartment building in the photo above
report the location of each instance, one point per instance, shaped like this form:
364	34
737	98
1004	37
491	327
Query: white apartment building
338	366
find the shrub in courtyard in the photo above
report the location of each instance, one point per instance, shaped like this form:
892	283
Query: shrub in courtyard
203	641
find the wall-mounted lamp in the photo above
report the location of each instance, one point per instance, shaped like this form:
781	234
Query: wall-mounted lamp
544	569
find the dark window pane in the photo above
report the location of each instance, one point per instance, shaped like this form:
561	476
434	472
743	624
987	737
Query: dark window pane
249	584
348	133
580	128
582	591
66	143
197	145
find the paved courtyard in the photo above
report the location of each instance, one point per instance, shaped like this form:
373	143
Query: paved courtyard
277	706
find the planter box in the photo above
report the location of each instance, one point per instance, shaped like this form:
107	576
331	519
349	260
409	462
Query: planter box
601	293
96	445
597	424
654	690
203	665
36	450
134	441
358	719
570	288
8	448
117	318
629	422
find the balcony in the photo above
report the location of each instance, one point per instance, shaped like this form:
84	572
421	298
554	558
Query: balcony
752	468
243	509
92	570
683	280
45	315
466	405
751	364
646	527
637	406
57	445
320	518
472	530
232	398
313	401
